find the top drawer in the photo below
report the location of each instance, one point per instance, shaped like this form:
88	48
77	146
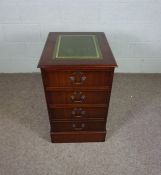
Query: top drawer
77	78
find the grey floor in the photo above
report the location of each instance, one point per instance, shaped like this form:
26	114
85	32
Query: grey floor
133	143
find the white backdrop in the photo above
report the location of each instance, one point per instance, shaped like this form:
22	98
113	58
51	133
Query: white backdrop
133	28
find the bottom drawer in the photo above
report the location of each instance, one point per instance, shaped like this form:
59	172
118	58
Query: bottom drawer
79	126
78	136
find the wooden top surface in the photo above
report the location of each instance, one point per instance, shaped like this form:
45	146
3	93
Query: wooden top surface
86	49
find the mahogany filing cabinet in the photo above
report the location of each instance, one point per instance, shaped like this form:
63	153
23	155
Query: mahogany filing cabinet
77	71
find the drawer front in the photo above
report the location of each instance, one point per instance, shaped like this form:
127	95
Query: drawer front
78	126
78	113
78	97
77	78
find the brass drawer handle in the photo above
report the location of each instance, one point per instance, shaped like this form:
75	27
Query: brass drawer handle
77	78
78	112
78	128
77	97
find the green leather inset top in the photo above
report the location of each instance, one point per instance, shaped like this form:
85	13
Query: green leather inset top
77	47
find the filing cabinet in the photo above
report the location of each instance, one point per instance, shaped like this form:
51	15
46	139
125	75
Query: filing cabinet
77	72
